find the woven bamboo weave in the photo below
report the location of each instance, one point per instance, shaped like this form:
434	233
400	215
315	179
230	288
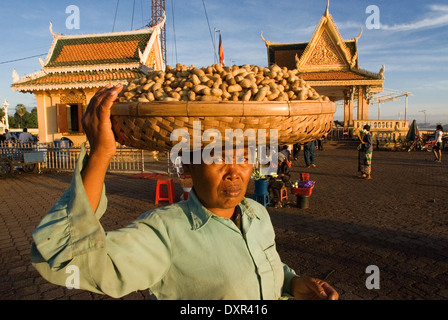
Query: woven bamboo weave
148	125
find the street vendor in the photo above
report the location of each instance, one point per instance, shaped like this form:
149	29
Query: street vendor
279	180
216	245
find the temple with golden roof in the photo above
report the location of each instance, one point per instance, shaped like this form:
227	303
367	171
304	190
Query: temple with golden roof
77	66
330	65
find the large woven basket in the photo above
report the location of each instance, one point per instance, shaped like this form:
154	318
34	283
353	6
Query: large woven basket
148	125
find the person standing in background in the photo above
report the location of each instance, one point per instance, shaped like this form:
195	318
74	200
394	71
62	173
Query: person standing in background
320	142
365	154
308	152
9	136
437	150
295	150
25	136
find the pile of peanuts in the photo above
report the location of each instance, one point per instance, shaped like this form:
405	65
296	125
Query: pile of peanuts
217	83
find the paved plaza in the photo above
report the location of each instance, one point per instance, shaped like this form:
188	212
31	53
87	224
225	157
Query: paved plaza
398	222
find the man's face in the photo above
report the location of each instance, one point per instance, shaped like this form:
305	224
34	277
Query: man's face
221	186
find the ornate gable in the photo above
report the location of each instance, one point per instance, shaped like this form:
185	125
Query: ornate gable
327	62
326	49
325	53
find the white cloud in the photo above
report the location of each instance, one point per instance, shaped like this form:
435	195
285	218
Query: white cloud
434	21
438	7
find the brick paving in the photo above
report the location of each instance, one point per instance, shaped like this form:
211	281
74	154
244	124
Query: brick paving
397	221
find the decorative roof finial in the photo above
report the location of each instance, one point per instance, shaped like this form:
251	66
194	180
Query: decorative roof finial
51	30
15	76
159	25
381	73
266	42
326	10
358	36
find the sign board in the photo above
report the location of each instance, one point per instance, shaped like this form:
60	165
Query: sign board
34	156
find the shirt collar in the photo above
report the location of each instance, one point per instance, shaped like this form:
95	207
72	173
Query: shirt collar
200	215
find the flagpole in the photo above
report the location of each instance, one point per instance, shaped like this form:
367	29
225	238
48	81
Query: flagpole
220	51
215	53
214	45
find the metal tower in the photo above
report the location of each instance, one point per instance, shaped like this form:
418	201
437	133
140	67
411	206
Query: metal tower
157	13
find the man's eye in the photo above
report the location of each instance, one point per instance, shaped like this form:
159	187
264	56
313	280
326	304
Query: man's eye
218	160
241	160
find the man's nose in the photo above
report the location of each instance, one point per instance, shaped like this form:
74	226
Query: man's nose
232	172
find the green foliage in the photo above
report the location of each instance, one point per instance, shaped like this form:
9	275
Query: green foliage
22	118
257	175
20	109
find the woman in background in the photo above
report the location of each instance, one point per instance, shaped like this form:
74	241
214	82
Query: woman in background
438	146
365	154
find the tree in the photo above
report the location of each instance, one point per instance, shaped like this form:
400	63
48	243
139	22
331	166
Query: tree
13	122
20	110
22	118
30	118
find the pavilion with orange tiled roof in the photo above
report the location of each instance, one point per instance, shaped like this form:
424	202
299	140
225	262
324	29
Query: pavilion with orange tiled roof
330	65
79	65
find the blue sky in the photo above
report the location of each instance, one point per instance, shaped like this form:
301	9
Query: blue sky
412	41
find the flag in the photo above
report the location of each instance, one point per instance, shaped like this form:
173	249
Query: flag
221	52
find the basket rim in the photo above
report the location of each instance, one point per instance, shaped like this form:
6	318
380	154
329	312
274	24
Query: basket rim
302	191
223	108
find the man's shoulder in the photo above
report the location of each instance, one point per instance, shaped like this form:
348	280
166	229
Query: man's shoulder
167	215
253	203
259	210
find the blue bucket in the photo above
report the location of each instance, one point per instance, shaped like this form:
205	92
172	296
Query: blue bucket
261	186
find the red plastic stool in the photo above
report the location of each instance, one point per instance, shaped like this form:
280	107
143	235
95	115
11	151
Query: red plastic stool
283	194
160	195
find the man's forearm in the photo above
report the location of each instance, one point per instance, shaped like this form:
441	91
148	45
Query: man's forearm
93	177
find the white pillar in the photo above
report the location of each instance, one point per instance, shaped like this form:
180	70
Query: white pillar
5	106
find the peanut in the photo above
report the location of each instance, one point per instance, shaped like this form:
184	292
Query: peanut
234	88
218	83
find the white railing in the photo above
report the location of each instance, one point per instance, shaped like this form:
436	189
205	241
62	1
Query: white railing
388	136
382	125
14	151
64	159
340	133
382	130
128	159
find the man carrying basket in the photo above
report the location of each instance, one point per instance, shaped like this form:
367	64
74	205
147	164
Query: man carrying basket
216	245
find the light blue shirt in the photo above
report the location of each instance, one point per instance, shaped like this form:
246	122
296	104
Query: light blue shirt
182	251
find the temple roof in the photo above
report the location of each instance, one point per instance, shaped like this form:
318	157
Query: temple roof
77	80
327	62
93	60
334	75
300	47
94	50
326	57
